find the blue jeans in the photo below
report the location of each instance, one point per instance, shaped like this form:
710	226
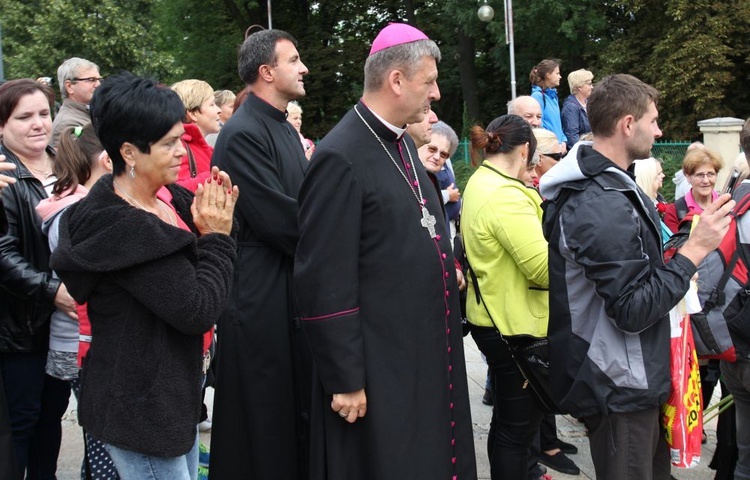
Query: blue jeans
736	377
137	466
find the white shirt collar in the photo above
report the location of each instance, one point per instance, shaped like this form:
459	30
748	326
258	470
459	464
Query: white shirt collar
398	131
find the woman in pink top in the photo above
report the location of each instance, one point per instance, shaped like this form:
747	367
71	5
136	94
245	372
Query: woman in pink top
701	167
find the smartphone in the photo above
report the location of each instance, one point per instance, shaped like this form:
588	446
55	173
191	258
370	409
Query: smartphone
732	181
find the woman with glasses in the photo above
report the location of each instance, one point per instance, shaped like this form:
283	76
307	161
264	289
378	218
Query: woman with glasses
549	150
701	166
575	120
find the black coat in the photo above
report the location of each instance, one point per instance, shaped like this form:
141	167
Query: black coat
262	388
153	290
28	289
379	304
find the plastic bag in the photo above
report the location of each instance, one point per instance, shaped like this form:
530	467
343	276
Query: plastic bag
682	415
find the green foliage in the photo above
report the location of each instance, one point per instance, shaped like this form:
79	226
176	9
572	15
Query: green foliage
115	34
696	52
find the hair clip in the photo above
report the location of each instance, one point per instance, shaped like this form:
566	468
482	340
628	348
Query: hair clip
78	131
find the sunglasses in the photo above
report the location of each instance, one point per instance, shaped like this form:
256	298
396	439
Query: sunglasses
555	156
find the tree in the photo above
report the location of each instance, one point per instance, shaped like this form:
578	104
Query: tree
114	34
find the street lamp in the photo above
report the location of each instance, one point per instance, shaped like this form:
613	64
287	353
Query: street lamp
485	14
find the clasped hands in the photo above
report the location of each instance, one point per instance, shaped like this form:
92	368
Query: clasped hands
213	206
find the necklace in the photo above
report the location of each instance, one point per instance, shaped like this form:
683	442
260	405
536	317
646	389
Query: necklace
38	172
135	202
427	221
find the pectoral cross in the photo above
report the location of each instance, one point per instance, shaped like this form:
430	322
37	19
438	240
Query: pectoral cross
428	221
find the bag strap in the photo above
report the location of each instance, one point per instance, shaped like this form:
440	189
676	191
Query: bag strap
681	208
191	159
717	296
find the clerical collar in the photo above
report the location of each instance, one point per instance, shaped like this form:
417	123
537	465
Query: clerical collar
398	131
265	107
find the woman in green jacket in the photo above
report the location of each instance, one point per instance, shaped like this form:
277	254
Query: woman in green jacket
502	231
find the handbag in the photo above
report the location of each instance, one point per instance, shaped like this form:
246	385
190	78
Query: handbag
531	355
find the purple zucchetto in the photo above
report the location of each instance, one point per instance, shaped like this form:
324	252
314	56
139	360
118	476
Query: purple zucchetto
396	34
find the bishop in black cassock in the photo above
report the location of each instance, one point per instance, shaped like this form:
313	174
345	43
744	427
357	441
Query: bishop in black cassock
378	296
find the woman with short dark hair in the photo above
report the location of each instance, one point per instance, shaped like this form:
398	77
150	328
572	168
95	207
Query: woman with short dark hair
154	265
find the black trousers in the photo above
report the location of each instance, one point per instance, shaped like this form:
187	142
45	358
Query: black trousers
515	414
628	446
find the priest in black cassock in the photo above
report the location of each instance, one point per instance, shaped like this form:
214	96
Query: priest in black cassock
263	381
377	289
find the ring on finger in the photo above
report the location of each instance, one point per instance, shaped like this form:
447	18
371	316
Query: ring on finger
343	415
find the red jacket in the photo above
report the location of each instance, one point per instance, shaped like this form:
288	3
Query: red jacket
202	153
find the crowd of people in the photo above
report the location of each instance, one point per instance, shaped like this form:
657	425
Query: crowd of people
157	240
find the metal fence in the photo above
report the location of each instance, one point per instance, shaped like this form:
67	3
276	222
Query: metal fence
670	153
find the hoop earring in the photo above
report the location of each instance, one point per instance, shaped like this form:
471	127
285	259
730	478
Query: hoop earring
131	173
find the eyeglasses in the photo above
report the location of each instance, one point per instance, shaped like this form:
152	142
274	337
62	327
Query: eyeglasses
704	176
433	150
554	156
87	79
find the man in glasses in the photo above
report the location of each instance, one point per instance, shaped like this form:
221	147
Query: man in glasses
78	78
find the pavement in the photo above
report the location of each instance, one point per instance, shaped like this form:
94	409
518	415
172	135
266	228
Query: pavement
569	430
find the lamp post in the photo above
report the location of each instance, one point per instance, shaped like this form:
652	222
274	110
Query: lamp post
485	14
270	26
2	73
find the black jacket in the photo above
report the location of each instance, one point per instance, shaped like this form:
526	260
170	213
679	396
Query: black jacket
27	289
152	291
610	291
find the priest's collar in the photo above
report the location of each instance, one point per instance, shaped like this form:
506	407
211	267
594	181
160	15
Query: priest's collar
257	103
399	132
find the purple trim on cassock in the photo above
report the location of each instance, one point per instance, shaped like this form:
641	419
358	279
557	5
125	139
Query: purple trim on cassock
331	315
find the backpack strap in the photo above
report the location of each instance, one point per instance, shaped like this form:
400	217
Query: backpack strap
191	159
681	208
717	296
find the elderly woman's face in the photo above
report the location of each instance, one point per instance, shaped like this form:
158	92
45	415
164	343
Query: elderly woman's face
296	120
27	131
703	180
436	153
586	89
161	165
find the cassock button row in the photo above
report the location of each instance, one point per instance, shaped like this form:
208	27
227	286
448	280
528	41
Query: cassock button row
450	386
446	274
449	349
448	331
448	312
453	444
453	423
447	293
437	237
451	405
416	183
450	369
453	460
444	256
